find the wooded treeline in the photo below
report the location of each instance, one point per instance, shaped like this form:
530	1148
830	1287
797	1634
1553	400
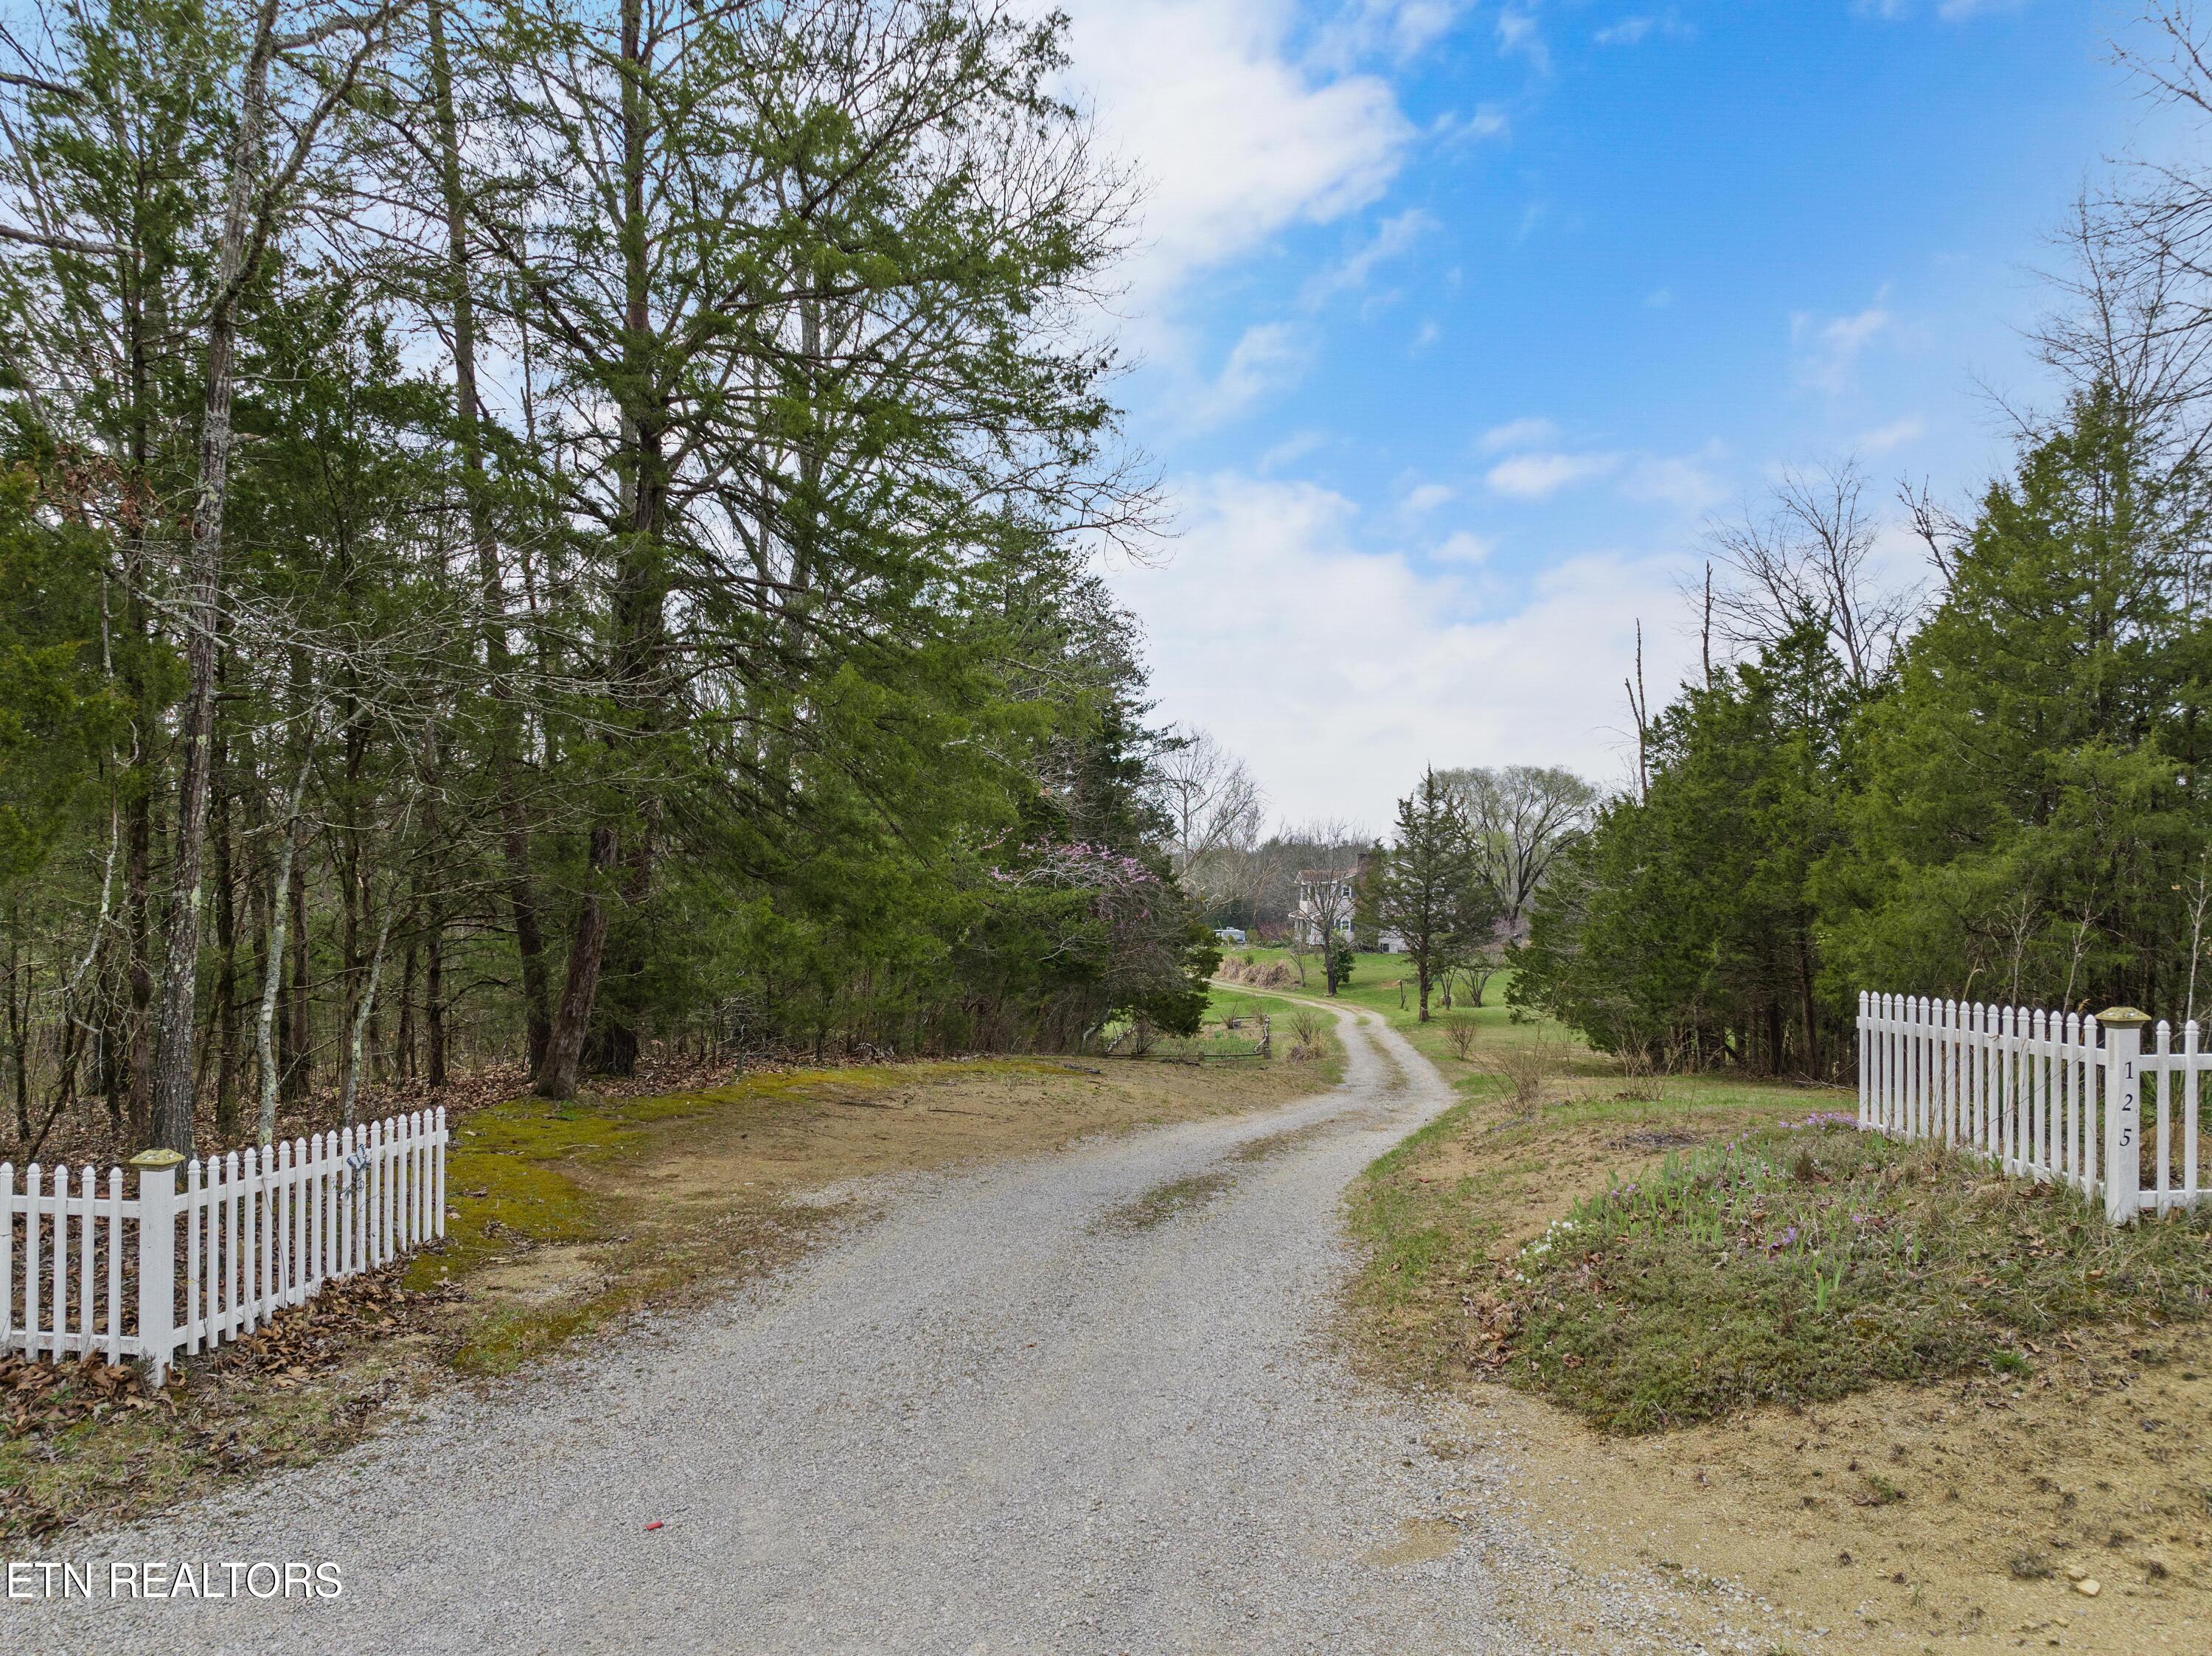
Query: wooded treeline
534	530
1994	789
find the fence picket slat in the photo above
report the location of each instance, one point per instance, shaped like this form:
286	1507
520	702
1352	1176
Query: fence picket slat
2193	1176
32	1207
86	1323
115	1264
2163	1188
7	1252
57	1207
192	1301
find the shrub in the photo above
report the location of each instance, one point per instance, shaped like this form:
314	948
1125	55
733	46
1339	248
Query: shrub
1307	1027
1527	1066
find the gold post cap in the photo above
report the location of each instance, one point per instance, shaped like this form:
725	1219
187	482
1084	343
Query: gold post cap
2123	1017
155	1161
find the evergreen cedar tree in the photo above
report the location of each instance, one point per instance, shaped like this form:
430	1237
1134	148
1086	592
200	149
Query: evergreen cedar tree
713	663
1429	888
2015	811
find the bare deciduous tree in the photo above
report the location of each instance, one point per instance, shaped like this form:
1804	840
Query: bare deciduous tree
1213	806
1810	552
1521	816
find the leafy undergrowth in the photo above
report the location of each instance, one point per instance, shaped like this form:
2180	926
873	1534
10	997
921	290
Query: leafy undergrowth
1799	1262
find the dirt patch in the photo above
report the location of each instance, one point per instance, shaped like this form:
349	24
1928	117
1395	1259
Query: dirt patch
1168	1201
1961	1512
1281	1143
1420	1540
1656	1138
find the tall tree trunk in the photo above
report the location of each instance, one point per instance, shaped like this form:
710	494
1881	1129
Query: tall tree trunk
136	1032
402	1041
299	1073
556	1076
499	657
19	1028
279	907
202	608
226	984
349	1089
640	590
433	998
1809	1006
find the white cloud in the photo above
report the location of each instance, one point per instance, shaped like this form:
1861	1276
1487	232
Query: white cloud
1423	499
1540	475
1683	481
1235	137
1951	11
1401	29
1488	121
1295	446
1393	236
1828	351
1269	357
1464	547
1519	37
1339	671
1528	432
1896	434
1636	30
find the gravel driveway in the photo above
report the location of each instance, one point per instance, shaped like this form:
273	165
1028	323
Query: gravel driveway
991	1420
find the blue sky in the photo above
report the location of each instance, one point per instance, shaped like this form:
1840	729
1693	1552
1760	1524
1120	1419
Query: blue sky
1456	322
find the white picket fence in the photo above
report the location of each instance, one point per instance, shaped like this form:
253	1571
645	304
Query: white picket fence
2046	1095
168	1271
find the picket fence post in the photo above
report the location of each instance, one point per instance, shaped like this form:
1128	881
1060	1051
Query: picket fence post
2123	1028
157	1251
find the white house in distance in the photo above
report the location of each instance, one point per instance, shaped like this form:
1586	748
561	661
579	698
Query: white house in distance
1326	899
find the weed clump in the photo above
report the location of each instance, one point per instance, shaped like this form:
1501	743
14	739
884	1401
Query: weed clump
1801	1263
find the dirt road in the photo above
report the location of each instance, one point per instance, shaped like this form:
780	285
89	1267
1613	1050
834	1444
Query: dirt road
1084	1401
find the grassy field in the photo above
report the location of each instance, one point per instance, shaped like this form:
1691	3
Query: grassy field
1382	984
564	1219
1723	1333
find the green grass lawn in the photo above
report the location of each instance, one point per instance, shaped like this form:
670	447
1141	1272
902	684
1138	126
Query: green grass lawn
1383	985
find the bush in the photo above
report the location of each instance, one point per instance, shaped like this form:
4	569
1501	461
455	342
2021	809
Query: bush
1460	1032
1526	1066
1307	1025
